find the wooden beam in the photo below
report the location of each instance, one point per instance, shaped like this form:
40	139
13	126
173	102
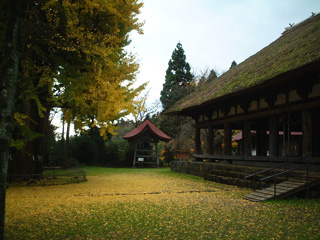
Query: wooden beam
316	133
211	140
198	140
263	113
273	136
135	153
254	158
247	137
262	137
157	153
227	139
306	133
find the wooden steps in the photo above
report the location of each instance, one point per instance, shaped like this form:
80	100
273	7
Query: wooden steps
236	175
284	189
287	182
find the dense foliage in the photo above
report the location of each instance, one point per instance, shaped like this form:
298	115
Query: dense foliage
178	78
72	56
90	149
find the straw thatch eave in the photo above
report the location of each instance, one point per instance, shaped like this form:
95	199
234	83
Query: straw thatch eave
295	53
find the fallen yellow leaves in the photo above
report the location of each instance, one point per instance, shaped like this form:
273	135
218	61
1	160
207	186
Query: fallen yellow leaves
152	204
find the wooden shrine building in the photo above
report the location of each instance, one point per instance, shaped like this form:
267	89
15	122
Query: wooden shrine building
276	90
146	138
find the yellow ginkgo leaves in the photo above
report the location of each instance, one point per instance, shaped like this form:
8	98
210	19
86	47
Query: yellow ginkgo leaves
153	204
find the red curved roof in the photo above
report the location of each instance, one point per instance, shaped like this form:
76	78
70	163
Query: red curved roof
147	124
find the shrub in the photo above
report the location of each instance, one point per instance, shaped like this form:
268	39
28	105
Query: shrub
167	154
117	151
84	148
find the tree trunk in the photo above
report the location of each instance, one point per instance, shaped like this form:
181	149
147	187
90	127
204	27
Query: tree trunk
63	123
8	85
66	149
30	160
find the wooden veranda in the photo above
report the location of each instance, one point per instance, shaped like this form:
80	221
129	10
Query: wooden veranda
276	90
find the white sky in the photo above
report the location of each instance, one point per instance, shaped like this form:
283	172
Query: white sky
213	33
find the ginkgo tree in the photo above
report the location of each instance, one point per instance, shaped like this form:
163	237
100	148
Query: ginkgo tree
68	54
96	33
73	56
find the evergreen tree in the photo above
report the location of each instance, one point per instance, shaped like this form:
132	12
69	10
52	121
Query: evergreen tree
177	85
233	64
178	78
212	75
206	76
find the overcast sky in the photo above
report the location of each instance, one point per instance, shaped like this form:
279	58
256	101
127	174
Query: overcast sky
213	33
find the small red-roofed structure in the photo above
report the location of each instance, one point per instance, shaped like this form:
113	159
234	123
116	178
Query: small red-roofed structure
146	136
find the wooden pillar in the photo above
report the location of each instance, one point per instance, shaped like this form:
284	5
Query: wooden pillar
227	139
211	140
285	136
157	153
306	133
316	133
273	136
261	138
135	153
247	138
198	140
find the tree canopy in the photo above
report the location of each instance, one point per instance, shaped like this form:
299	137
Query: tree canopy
233	64
72	56
67	54
178	78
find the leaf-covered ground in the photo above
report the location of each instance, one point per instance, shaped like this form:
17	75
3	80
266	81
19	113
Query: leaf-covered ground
153	204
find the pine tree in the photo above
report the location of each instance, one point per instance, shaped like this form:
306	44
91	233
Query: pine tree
178	78
233	64
212	75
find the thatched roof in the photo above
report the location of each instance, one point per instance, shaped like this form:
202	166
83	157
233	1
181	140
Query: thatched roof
297	47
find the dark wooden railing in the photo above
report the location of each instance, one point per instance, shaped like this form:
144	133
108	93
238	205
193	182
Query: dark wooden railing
305	164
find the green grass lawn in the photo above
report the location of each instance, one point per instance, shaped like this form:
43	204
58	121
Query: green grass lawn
153	204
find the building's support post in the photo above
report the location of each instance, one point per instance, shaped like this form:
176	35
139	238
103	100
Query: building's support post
316	133
198	140
157	153
285	136
273	136
261	138
227	139
211	140
306	133
247	137
135	154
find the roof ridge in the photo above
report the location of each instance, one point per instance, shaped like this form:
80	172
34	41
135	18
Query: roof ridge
135	133
294	26
295	49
